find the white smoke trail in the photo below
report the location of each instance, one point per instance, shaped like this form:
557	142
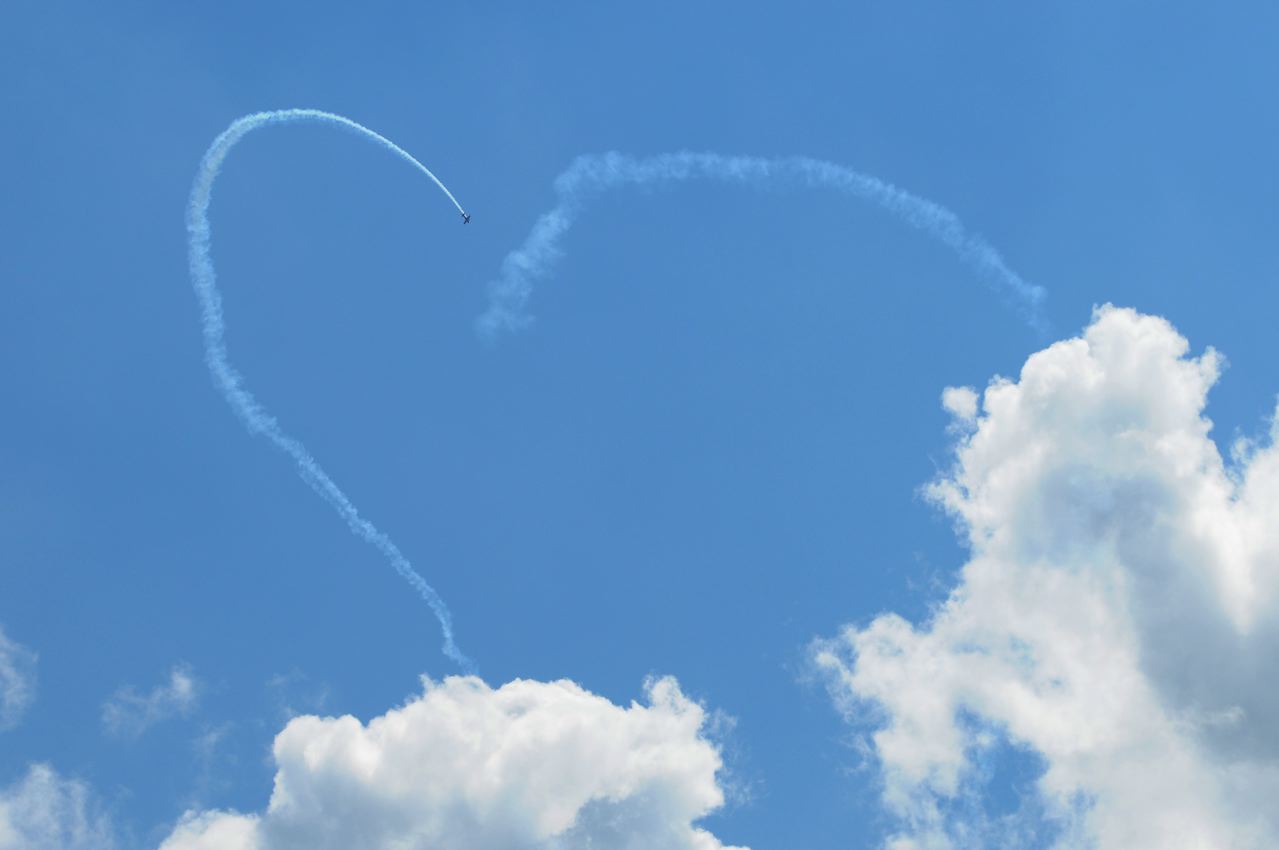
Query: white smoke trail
230	382
594	174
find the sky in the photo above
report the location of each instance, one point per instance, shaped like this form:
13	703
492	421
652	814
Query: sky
781	525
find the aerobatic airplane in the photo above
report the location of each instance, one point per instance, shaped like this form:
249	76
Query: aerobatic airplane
466	218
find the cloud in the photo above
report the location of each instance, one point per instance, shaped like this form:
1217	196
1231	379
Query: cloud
43	811
527	766
1118	617
129	713
17	681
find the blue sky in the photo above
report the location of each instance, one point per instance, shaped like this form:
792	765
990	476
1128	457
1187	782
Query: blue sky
705	454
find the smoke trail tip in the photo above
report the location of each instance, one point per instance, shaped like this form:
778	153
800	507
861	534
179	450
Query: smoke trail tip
460	658
495	321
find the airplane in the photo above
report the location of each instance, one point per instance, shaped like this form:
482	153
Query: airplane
466	218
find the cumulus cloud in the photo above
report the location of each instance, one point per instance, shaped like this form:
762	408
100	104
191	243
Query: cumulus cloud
43	811
527	766
17	681
129	713
1118	616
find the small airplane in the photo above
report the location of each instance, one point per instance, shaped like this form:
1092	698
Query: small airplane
466	218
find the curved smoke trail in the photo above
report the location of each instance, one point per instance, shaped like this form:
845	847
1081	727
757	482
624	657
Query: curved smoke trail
594	174
230	382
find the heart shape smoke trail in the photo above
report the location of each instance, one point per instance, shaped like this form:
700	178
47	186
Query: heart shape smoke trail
587	177
231	384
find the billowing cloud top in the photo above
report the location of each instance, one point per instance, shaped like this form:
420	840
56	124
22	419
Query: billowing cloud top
526	766
44	811
1119	616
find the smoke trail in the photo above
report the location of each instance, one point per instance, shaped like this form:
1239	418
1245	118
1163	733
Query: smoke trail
231	384
594	174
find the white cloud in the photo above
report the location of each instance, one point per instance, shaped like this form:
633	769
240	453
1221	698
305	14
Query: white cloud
527	766
43	811
961	403
1119	615
129	713
17	681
